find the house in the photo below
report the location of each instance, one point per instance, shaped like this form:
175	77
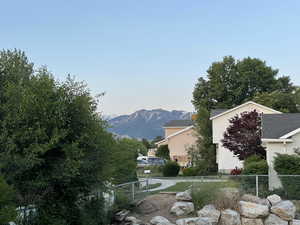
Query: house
179	136
280	134
225	159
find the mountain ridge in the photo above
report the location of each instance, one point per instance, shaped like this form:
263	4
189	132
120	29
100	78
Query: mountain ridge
145	123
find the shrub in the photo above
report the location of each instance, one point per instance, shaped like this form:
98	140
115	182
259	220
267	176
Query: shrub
171	169
236	171
256	168
210	193
192	171
289	165
251	159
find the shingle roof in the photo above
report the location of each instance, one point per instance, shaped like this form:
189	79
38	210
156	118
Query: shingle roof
215	112
277	125
179	123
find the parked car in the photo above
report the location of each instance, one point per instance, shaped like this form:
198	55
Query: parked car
154	161
142	163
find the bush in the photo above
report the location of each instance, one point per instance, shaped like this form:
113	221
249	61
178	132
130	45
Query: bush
289	165
192	171
171	169
236	171
256	168
251	159
209	193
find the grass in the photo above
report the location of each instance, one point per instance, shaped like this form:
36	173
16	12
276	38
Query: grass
152	186
182	186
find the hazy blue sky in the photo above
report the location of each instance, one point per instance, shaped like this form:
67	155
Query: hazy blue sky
150	53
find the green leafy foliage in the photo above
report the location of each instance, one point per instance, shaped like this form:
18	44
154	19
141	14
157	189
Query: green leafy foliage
171	169
7	205
256	168
163	152
289	165
124	161
53	144
192	171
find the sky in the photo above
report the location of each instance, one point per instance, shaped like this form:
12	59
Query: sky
148	54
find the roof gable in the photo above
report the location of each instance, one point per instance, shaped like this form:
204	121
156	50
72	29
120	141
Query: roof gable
240	106
175	134
280	126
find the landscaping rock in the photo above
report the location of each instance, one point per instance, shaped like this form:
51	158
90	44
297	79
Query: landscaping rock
121	215
274	199
132	220
160	220
255	199
230	217
182	208
247	221
275	220
285	210
253	210
184	196
210	211
195	221
295	222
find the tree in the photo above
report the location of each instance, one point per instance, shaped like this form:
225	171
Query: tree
7	205
163	152
281	101
146	143
243	136
124	160
53	144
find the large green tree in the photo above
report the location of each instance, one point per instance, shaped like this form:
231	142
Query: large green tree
53	144
229	83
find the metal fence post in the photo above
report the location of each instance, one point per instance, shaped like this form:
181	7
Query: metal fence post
256	185
132	188
147	185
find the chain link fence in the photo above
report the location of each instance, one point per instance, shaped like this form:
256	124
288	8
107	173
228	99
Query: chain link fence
287	186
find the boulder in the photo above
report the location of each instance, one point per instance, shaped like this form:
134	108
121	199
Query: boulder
182	208
209	211
274	199
121	215
255	199
132	220
184	196
247	221
160	220
295	222
230	217
275	220
195	221
253	210
285	210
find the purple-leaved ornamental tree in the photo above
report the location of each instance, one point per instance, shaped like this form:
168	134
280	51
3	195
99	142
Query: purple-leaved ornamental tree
243	136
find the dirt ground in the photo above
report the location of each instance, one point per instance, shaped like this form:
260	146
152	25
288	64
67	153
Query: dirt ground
155	205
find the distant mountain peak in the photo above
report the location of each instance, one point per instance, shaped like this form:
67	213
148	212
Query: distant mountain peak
145	123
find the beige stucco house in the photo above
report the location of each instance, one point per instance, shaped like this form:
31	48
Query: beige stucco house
179	136
280	134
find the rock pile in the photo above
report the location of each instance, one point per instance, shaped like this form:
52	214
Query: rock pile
251	211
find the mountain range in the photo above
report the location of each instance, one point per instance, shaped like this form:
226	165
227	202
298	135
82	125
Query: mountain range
145	123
